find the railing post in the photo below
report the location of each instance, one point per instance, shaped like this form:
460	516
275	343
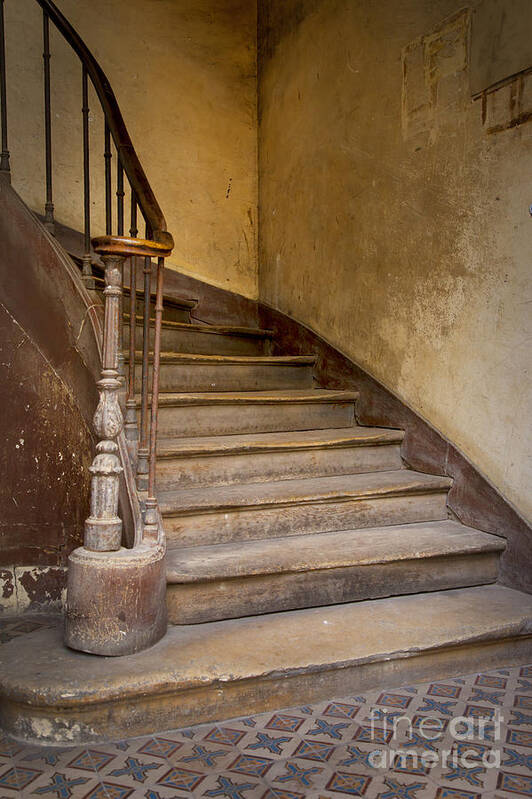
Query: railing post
4	155
103	528
131	405
87	260
49	205
151	518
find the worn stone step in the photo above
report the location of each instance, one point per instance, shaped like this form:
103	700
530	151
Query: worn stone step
177	309
190	372
218	514
209	672
259	457
205	339
226	413
206	583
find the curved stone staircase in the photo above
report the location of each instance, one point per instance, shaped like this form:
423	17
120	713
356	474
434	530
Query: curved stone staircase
305	560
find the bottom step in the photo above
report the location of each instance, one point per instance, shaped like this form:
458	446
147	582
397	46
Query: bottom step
208	672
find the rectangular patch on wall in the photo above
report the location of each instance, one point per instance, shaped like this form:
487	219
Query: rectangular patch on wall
501	42
435	73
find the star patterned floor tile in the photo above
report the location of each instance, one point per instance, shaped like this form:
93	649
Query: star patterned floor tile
284	722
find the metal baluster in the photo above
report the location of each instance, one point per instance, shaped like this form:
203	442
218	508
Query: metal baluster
107	156
49	206
120	193
143	454
4	156
120	230
151	517
86	270
131	405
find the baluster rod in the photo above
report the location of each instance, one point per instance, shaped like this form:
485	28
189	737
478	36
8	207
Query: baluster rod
120	230
4	155
120	193
131	405
107	154
87	260
49	205
151	519
143	454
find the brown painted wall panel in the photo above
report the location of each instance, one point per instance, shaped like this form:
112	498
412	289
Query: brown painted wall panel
48	359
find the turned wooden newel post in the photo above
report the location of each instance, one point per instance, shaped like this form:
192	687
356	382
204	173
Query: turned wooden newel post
116	595
103	528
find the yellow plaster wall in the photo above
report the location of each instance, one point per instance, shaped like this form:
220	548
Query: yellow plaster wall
394	213
184	74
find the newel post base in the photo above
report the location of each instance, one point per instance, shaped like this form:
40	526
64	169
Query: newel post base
116	600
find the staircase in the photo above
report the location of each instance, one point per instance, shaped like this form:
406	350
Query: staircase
274	499
304	559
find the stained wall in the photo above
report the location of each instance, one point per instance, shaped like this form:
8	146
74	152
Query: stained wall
394	212
184	75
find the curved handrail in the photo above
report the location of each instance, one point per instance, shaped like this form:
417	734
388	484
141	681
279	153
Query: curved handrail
128	157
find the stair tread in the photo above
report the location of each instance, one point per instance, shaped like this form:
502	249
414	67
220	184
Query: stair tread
269	442
262	360
168	299
168	398
39	670
327	551
196	327
309	489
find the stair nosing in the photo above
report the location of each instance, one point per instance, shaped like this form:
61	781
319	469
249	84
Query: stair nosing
288	396
434	484
103	680
219	330
481	543
384	438
168	299
190	359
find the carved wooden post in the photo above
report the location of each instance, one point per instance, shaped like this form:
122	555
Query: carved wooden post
115	594
103	528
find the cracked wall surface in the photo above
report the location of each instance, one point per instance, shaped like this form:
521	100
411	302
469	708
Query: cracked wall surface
394	212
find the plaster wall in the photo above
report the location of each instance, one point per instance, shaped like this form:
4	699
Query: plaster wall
184	75
394	213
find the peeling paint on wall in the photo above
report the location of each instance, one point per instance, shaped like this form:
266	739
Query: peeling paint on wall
435	73
32	588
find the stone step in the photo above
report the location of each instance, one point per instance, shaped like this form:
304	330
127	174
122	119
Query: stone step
226	413
190	372
259	457
219	514
175	309
206	583
205	339
220	670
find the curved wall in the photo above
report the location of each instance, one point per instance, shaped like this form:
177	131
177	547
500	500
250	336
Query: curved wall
184	74
48	364
394	214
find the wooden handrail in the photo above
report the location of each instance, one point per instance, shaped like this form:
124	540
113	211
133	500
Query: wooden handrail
148	204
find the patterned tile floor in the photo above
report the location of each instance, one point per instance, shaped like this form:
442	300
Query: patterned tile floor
476	729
